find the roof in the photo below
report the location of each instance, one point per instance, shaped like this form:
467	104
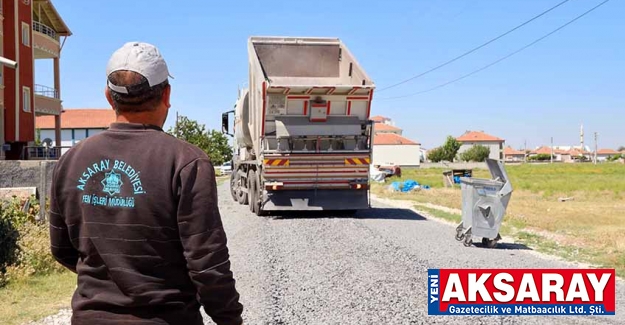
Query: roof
544	150
607	152
382	139
385	127
380	118
51	17
478	136
577	152
508	151
79	119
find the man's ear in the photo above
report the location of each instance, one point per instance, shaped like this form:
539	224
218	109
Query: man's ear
166	96
109	98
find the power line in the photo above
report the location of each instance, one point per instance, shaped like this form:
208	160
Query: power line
501	59
476	48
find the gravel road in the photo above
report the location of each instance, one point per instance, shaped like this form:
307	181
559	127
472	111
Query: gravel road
367	269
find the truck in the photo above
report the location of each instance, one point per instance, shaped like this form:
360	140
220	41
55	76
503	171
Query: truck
301	128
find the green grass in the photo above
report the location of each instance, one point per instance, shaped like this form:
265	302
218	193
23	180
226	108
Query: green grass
588	228
546	245
455	218
221	180
36	297
549	178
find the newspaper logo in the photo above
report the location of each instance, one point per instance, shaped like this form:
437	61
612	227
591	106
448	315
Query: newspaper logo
521	291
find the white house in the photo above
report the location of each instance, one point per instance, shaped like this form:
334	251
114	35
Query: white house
512	155
390	147
604	154
76	125
471	138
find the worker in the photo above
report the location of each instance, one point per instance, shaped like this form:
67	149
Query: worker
134	212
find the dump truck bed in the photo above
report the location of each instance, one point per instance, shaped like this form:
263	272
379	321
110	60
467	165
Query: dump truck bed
292	62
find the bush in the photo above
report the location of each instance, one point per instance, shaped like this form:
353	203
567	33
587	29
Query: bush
477	153
541	157
447	152
436	155
24	242
8	246
34	257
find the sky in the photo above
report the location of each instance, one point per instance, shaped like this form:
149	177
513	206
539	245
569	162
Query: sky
576	76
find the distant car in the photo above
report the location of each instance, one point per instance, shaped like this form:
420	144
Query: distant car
226	168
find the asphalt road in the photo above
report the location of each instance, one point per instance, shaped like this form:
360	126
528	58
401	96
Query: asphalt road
367	269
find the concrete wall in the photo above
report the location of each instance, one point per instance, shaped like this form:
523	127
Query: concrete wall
400	155
455	165
20	173
496	148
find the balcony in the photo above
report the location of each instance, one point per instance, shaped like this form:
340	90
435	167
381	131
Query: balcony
47	101
45	41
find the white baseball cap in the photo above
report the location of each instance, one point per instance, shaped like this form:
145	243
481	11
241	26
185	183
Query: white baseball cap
142	58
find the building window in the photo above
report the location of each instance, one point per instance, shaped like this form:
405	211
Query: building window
26	99
25	34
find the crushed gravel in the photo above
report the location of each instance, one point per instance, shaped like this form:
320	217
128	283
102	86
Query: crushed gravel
367	269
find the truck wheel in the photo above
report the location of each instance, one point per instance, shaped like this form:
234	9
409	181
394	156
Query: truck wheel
241	196
251	187
233	186
257	198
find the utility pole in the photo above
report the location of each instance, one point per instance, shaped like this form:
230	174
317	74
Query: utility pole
525	151
176	126
552	150
596	148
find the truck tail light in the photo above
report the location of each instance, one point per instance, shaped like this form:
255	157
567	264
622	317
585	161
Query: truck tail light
274	186
359	186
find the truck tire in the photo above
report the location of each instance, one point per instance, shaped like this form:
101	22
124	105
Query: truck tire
233	186
241	196
255	202
251	187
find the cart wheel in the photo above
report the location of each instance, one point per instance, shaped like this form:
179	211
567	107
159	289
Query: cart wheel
490	243
468	241
459	235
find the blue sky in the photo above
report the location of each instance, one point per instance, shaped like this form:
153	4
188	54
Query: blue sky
575	76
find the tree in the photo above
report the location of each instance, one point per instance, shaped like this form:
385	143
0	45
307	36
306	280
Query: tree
37	137
214	143
477	153
219	151
447	152
435	155
450	148
621	149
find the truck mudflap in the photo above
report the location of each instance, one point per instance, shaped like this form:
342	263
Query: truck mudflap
315	200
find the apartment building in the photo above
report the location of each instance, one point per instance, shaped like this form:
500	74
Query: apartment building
30	30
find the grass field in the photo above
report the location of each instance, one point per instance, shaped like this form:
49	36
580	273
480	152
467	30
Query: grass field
592	225
36	297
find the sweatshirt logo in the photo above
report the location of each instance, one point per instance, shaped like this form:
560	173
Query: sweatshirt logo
112	183
112	175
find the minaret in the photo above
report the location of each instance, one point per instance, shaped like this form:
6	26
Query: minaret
581	138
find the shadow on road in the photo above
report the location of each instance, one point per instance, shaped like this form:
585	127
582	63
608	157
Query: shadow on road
373	213
507	246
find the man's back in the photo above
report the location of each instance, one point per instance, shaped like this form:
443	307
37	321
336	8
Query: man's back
135	211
